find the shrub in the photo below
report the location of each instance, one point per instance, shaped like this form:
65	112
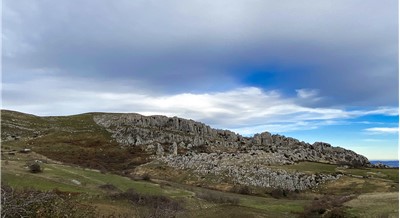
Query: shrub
109	187
146	177
33	203
218	198
160	206
241	189
326	206
35	168
279	193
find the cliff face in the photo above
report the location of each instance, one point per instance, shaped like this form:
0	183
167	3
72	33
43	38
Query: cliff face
181	136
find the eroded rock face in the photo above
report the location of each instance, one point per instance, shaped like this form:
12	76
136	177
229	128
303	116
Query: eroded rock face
188	145
248	169
192	136
135	129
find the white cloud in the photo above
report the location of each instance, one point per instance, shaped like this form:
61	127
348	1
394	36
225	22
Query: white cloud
246	110
181	46
382	130
306	93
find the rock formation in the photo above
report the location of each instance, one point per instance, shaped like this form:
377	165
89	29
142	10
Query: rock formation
247	169
192	136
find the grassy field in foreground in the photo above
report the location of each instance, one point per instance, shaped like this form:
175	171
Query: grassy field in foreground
65	178
76	140
78	180
72	179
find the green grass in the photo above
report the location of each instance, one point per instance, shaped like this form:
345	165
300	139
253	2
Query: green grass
271	204
313	167
390	174
78	140
40	183
235	212
55	175
309	167
374	205
60	176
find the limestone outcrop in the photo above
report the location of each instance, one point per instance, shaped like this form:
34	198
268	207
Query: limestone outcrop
182	136
248	169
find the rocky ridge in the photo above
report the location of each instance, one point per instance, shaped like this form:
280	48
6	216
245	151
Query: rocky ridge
182	136
189	145
247	170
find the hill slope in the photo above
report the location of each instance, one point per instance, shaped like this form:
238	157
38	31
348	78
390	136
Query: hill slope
176	155
132	144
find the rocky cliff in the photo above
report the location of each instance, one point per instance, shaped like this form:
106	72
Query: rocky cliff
194	147
173	135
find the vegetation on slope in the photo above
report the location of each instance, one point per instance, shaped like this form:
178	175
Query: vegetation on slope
70	148
72	139
86	187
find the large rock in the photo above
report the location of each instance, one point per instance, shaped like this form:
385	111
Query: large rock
174	149
160	150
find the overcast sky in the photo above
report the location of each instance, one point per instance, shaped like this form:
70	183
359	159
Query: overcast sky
311	69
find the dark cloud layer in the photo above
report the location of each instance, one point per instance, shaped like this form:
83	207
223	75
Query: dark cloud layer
348	50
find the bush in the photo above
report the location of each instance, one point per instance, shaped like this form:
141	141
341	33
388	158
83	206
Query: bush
326	206
33	203
109	187
244	190
278	193
146	177
218	198
35	168
158	205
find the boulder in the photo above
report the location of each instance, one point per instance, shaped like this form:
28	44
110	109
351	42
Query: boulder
174	149
160	150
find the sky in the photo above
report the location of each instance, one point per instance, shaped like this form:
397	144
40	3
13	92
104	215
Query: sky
309	69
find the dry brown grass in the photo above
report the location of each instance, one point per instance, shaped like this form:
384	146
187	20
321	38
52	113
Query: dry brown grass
34	203
116	209
375	205
355	185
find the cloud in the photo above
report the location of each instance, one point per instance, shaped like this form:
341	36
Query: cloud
201	46
246	110
306	93
382	130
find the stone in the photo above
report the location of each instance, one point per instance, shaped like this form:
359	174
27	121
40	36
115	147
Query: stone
174	149
150	148
160	150
182	145
137	130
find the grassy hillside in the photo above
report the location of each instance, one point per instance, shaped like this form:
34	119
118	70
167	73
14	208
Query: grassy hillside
80	159
196	201
89	185
71	139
